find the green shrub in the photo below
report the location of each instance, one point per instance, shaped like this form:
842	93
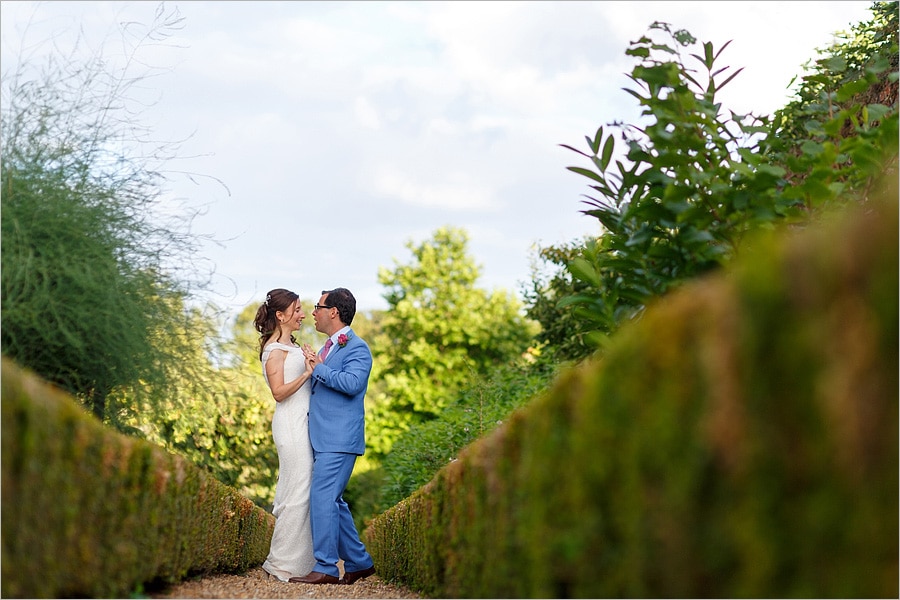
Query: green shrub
480	407
696	178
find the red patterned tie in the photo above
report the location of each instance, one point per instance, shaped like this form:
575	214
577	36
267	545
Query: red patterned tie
328	345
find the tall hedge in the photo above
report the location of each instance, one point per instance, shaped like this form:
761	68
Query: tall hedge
88	512
740	440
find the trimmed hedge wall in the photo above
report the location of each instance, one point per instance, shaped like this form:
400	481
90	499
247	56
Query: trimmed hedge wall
88	512
740	440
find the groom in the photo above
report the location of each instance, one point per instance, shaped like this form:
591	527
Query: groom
337	432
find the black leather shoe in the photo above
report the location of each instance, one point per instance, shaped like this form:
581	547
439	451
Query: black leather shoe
315	577
352	576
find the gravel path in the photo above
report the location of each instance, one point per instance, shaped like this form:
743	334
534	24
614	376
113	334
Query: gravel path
256	583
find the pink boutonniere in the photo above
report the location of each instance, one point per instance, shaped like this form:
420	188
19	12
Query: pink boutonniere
342	340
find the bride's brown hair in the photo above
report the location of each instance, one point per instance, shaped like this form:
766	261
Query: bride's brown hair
266	322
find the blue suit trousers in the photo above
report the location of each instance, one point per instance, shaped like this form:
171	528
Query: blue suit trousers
333	530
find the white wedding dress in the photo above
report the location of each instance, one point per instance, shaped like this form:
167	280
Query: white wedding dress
291	550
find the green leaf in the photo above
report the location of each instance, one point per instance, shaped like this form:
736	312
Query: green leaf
662	75
730	77
608	148
575	150
811	148
774	170
595	143
583	270
638	52
835	64
876	112
851	89
589	174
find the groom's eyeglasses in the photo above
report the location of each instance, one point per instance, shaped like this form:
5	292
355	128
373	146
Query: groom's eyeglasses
318	306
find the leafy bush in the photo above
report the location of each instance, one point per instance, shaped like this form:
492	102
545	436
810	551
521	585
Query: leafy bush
697	178
480	407
563	336
840	131
692	183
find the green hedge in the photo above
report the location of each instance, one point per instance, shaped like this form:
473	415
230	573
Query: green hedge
87	512
739	440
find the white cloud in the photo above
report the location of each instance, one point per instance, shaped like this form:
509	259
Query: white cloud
366	114
456	192
380	121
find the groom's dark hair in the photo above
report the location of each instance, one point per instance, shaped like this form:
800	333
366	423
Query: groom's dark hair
343	300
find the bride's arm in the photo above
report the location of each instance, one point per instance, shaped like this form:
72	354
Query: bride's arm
275	375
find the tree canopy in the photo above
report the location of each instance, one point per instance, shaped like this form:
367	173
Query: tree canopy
439	331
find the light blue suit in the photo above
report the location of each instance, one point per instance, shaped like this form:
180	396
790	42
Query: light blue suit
337	433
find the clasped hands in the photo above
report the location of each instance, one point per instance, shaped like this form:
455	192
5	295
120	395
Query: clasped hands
312	359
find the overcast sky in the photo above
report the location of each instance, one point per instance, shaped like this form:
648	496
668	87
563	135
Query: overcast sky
344	130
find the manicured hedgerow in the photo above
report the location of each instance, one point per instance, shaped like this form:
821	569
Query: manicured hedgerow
89	512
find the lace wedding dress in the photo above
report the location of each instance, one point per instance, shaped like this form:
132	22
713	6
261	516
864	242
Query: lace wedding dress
291	550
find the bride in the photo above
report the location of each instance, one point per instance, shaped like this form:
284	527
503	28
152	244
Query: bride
287	373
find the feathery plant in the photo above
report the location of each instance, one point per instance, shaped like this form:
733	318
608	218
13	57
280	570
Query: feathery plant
90	296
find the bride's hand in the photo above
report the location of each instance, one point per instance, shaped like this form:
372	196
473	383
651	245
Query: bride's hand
310	355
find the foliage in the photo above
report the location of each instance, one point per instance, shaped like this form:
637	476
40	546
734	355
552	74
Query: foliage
368	325
482	404
219	414
479	407
693	184
840	131
242	349
740	440
91	513
439	331
700	181
695	180
562	336
89	300
222	421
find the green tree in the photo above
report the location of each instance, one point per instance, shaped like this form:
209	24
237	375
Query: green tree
219	412
439	331
217	417
480	406
91	300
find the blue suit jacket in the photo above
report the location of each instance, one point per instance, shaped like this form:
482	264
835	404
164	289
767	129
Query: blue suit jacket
337	414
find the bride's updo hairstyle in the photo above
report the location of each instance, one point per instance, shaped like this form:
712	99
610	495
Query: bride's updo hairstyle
266	322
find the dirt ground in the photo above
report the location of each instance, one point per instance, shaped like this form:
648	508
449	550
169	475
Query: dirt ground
256	583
